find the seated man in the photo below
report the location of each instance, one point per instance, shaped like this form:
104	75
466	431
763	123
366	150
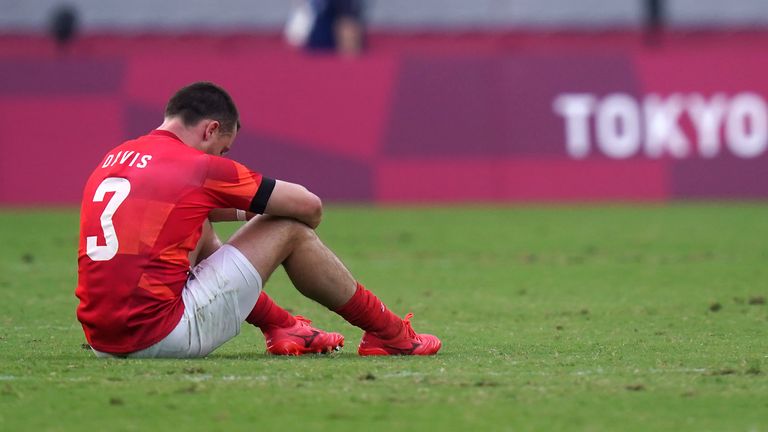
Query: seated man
145	217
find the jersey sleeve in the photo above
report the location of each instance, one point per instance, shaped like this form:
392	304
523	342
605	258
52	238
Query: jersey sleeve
231	185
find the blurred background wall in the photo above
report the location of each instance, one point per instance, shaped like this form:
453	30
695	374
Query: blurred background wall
146	15
420	101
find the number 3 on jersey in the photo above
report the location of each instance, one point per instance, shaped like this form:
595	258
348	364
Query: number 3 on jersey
121	187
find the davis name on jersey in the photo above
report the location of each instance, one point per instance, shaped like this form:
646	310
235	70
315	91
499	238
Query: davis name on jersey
123	157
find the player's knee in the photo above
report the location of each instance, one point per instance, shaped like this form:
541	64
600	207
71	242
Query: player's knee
302	232
316	209
293	230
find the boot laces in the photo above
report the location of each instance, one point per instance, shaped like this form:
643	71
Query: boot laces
407	325
303	321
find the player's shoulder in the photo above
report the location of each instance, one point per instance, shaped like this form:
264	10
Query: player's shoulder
223	168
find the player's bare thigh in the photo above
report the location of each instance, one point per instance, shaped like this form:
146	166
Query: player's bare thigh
266	241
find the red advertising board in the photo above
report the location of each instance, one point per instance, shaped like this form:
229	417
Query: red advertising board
521	118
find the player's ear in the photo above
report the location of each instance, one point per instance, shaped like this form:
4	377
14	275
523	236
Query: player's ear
210	129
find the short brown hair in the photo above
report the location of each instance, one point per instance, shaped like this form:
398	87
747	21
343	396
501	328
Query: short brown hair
204	100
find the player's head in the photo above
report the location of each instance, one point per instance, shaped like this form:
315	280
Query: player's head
208	107
204	100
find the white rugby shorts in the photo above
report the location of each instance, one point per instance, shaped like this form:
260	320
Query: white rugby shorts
219	295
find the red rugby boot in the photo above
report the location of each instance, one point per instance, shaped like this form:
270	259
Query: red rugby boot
407	343
301	338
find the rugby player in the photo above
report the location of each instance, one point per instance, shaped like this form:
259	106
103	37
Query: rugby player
154	280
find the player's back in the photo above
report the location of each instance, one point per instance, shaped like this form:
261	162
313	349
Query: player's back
141	214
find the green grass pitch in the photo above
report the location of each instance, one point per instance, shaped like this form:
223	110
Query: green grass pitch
604	317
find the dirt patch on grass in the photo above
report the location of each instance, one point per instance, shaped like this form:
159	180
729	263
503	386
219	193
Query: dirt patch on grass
752	370
529	258
8	390
190	389
721	372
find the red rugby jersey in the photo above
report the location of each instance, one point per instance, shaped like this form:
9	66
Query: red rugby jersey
142	213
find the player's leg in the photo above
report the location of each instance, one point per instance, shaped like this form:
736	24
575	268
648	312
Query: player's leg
221	292
269	312
268	242
258	308
208	244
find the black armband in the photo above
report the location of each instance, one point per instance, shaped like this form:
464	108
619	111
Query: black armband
259	202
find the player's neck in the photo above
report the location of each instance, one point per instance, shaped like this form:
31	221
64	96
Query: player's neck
187	135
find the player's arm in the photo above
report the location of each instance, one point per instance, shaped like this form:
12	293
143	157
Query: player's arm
232	185
287	199
230	215
295	201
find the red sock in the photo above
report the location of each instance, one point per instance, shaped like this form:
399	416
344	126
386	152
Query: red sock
267	313
366	311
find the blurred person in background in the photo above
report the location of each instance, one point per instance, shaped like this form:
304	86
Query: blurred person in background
155	281
63	25
328	26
